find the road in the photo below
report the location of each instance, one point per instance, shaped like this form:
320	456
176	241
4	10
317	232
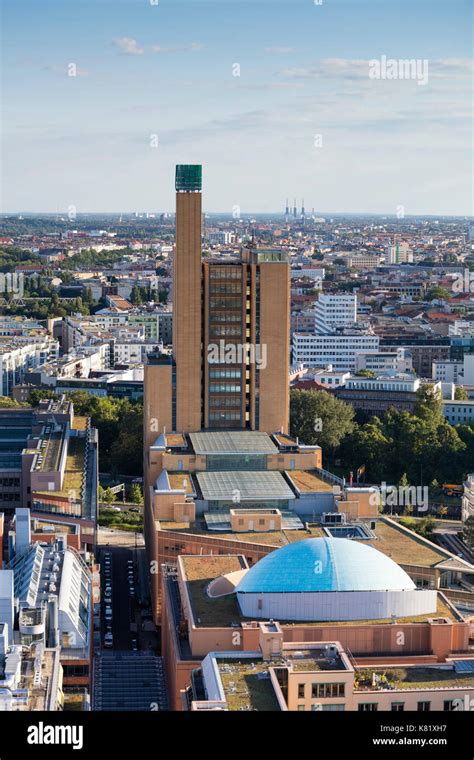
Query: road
123	604
125	679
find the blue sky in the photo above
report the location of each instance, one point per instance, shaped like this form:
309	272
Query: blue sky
148	74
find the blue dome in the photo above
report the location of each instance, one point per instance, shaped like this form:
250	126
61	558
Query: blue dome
325	564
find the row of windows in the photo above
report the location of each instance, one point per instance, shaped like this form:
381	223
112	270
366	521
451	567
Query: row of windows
225	303
220	416
323	708
448	706
225	287
225	402
226	373
225	330
322	690
9	482
224	388
225	273
225	316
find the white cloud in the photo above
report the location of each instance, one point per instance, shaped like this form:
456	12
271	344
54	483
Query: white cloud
128	46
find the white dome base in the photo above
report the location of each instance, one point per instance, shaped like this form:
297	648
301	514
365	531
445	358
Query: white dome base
337	605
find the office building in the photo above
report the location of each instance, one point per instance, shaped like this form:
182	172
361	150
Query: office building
334	311
230	334
340	349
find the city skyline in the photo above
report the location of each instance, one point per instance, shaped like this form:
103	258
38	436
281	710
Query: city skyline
303	117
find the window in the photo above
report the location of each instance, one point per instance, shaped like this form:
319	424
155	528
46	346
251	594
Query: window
327	690
450	704
301	690
398	706
368	707
301	708
424	706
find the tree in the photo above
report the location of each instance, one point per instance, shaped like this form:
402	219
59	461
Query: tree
429	404
460	393
318	417
136	494
369	444
109	496
365	373
135	296
438	293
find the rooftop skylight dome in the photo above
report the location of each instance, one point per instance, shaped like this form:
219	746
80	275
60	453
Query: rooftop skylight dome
330	579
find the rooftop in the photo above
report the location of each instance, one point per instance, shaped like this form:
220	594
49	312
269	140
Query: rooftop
260	485
414	678
224	612
325	564
247	685
228	442
404	548
308	481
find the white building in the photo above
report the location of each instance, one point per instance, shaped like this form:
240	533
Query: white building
446	372
467	506
334	311
17	360
339	350
314	273
461	373
221	237
459	412
400	384
380	362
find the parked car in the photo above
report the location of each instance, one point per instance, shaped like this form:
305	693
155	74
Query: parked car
134	645
109	639
108	613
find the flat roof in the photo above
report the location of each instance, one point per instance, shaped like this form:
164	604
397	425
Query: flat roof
246	684
229	442
308	481
415	678
261	485
404	548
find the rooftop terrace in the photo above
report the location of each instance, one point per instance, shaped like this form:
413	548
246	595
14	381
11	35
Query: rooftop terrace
247	685
413	678
308	481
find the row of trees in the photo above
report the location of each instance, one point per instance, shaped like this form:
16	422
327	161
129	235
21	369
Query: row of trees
423	445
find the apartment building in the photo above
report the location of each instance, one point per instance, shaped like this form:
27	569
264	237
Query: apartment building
340	349
334	311
17	360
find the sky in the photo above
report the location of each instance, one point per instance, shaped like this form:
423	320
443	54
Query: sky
102	99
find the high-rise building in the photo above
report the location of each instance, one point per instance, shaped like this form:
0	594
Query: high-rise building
399	253
333	311
231	320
